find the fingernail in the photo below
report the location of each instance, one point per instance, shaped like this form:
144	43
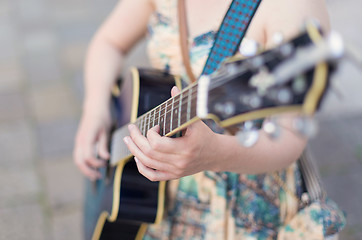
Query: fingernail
130	126
126	139
136	159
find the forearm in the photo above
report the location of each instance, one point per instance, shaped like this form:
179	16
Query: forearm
102	67
265	156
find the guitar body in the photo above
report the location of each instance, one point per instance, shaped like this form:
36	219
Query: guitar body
118	205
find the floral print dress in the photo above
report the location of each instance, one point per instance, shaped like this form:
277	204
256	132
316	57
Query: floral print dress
209	205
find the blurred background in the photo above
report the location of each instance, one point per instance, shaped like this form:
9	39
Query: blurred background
42	48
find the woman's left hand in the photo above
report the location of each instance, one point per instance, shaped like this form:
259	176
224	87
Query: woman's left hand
162	158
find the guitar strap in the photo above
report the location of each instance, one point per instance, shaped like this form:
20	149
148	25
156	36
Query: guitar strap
228	38
231	32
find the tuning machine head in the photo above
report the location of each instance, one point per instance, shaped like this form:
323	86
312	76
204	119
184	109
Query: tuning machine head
277	38
249	48
272	128
306	126
248	134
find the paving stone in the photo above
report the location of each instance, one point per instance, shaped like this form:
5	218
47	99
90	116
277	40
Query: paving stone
22	222
351	232
52	103
337	151
67	224
344	15
8	40
73	56
344	98
101	9
11	75
42	69
12	107
63	183
30	11
338	140
78	32
39	41
78	86
346	191
68	12
56	138
41	62
5	11
17	145
18	187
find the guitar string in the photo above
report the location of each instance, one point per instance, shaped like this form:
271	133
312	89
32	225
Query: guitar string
142	120
148	115
167	124
169	107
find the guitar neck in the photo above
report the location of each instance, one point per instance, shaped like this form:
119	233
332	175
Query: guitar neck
172	114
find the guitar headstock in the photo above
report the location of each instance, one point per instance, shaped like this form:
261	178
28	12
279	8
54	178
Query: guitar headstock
292	77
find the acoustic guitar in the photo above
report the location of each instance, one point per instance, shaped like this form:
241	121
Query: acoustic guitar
292	77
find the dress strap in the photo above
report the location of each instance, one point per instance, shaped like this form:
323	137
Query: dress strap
231	32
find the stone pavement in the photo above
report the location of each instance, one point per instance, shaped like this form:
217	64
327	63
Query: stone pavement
42	47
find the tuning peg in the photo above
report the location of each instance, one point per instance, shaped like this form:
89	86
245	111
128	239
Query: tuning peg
306	126
249	48
299	84
248	138
278	38
248	135
272	128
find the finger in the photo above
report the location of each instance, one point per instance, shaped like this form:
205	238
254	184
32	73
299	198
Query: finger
140	140
159	144
90	172
103	146
90	158
151	174
175	91
83	167
147	161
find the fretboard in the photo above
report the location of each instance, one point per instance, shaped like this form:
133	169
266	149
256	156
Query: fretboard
171	114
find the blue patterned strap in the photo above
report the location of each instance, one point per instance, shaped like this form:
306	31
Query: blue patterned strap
231	32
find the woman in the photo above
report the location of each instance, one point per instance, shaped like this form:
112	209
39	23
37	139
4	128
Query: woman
225	191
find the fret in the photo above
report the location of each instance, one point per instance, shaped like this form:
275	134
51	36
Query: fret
183	108
171	115
144	130
141	124
162	120
165	118
149	121
159	115
154	115
175	113
194	105
179	110
189	105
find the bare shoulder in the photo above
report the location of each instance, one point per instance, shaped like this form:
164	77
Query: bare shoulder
288	16
127	23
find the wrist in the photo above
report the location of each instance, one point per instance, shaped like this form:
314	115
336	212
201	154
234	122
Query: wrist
96	105
96	110
218	154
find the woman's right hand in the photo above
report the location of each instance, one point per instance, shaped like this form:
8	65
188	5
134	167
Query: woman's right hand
92	139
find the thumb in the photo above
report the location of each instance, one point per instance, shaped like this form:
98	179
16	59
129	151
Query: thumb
103	146
175	91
